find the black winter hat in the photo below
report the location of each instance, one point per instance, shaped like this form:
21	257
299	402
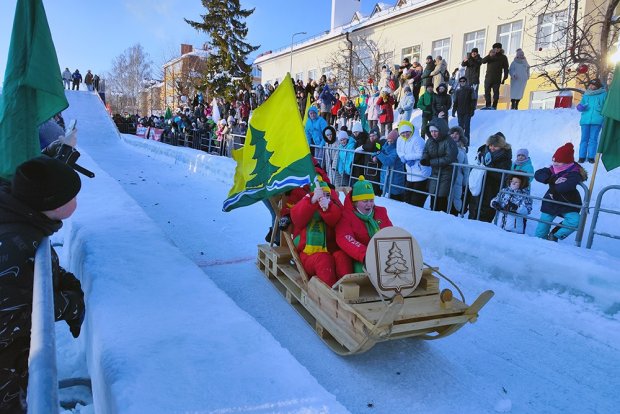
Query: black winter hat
497	45
44	183
475	49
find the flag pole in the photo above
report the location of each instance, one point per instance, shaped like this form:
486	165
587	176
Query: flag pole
594	170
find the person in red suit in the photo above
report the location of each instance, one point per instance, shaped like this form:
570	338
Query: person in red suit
314	219
361	219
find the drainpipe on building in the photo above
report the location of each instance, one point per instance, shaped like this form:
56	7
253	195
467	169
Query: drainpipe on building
346	35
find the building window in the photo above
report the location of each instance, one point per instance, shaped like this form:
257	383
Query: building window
412	53
299	76
472	40
509	35
441	48
551	29
312	74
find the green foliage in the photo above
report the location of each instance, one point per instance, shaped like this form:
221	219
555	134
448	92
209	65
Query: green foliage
226	67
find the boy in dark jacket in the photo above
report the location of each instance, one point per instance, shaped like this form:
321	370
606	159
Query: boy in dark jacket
41	194
465	100
562	176
472	63
496	62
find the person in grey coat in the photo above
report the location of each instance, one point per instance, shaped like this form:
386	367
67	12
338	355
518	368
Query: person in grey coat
519	74
461	174
439	153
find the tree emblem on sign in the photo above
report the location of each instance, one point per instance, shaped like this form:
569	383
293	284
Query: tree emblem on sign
264	169
396	263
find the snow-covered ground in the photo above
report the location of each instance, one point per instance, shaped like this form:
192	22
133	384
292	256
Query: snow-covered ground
178	311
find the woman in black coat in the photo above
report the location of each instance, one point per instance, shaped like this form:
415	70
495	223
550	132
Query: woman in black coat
496	153
440	151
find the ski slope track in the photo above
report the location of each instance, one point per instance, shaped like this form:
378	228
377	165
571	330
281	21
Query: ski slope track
548	342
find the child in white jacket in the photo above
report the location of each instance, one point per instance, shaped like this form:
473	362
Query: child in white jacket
514	199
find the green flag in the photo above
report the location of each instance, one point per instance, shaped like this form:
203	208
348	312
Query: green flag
609	145
33	91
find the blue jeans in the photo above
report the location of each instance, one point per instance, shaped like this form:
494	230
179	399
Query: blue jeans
570	219
589	140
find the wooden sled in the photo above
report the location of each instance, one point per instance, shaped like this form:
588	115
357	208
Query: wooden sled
352	316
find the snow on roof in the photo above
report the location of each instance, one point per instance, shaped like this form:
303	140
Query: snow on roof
385	13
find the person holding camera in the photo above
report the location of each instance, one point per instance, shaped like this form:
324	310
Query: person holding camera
496	62
472	63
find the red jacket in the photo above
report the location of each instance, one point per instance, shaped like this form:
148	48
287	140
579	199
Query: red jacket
302	213
387	109
351	234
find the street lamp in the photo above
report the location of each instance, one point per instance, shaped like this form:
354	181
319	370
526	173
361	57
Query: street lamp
292	38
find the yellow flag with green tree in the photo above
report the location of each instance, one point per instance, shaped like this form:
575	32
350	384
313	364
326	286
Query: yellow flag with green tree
276	156
32	91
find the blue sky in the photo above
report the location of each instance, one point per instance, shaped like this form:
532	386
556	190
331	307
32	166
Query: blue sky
88	35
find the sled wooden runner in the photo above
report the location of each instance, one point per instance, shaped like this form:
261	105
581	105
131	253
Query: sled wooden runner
352	316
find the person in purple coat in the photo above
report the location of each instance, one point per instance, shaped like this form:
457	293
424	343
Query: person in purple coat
563	177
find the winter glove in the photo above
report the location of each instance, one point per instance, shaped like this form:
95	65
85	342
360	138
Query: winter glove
284	222
582	108
324	203
495	204
425	161
512	207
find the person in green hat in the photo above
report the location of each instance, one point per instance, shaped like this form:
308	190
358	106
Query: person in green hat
314	218
360	220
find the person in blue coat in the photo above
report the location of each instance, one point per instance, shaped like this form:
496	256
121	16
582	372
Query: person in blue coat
563	177
591	120
314	134
390	160
523	163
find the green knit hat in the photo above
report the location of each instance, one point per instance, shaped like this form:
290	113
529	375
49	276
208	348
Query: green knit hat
321	183
362	190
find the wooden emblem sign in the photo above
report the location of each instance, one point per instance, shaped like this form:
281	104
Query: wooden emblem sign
394	262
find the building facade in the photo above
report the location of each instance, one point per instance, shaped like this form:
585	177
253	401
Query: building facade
418	28
182	77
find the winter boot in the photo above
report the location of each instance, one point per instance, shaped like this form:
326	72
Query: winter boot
591	160
581	160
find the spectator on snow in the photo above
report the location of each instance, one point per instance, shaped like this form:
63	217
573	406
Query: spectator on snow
415	81
326	100
361	104
472	63
465	100
496	153
426	105
440	151
335	109
442	102
77	79
314	219
519	74
361	219
330	152
388	158
344	161
461	174
371	167
440	72
66	78
562	176
496	62
513	199
373	109
40	195
88	80
384	79
427	78
523	163
591	120
405	106
361	139
314	132
410	148
386	111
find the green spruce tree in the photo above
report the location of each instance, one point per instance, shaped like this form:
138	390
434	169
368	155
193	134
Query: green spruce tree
226	64
264	169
